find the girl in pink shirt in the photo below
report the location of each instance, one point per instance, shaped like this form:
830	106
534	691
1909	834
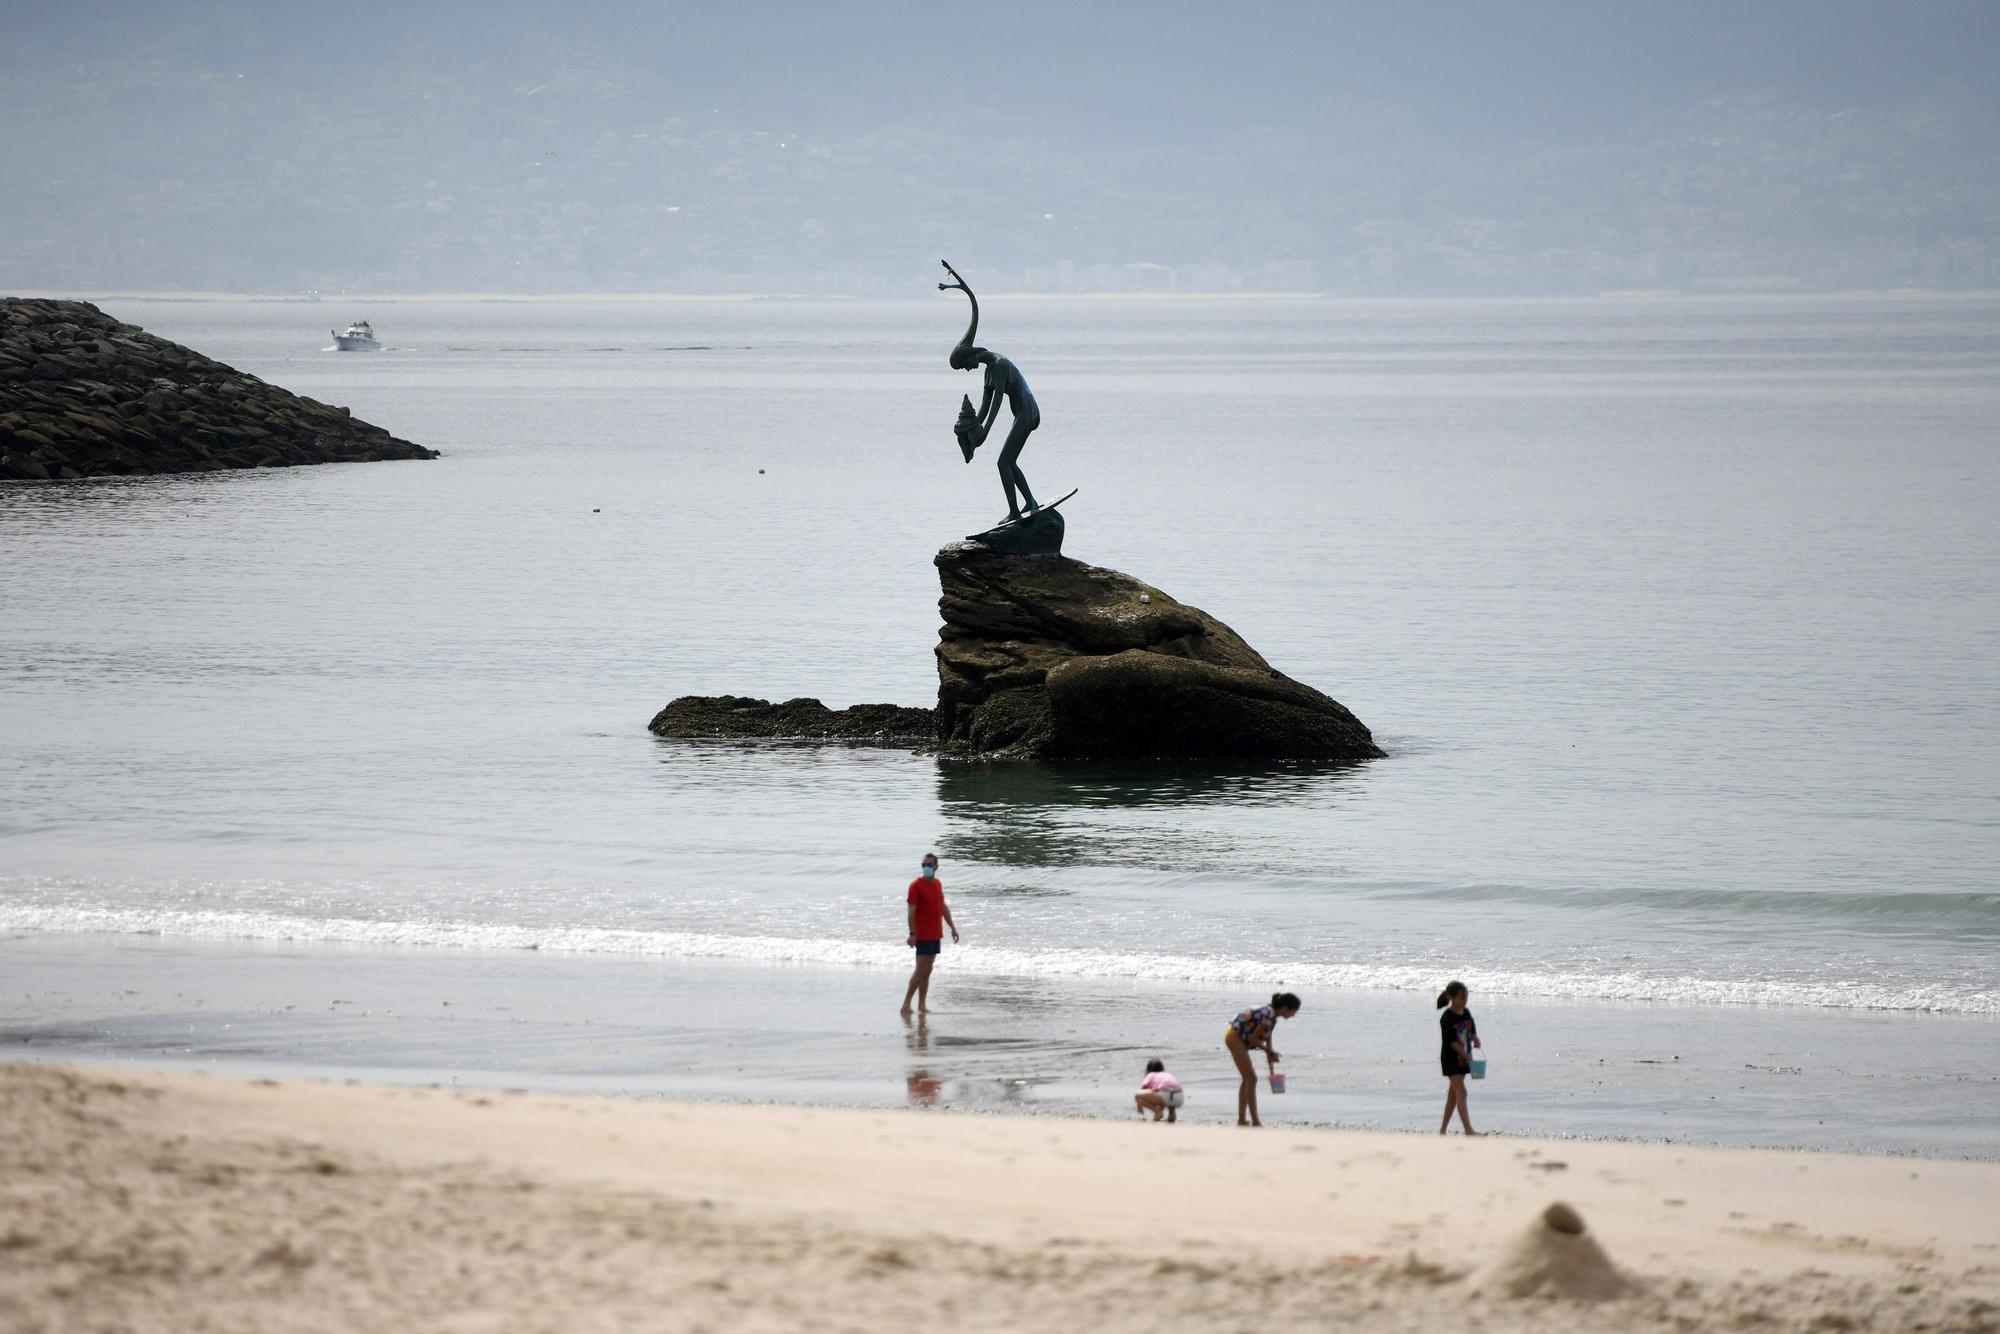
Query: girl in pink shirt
1160	1093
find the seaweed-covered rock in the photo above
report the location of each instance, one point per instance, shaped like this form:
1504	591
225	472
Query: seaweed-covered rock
695	717
84	395
1044	657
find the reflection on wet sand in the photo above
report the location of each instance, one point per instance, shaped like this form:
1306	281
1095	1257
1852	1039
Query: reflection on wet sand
1053	814
960	1072
1018	995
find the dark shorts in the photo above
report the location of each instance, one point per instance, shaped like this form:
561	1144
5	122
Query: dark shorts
1449	1062
929	947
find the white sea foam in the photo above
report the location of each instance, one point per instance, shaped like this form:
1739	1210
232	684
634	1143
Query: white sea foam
1834	993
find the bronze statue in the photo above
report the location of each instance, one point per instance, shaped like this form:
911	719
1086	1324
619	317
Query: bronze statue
1003	381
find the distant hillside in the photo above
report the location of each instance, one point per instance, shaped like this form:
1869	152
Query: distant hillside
770	148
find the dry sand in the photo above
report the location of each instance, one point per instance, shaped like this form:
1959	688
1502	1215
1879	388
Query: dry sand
177	1202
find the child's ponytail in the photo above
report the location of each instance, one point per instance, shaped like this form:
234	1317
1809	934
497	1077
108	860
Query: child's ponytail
1452	988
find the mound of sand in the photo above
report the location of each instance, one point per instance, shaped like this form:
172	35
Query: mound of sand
1555	1256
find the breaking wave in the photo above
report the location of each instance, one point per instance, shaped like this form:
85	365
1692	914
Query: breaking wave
1099	965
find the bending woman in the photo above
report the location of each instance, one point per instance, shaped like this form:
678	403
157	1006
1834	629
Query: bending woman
1004	384
1251	1031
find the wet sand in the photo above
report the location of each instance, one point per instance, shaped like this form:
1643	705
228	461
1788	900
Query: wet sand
1744	1076
169	1202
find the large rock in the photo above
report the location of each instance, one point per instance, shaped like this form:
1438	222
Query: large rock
83	395
1044	657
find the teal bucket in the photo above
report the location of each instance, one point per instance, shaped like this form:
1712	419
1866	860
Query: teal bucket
1476	1067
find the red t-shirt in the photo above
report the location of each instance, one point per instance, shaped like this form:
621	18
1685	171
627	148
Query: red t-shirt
927	893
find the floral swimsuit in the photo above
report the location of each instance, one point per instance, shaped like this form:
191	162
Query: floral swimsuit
1254	1026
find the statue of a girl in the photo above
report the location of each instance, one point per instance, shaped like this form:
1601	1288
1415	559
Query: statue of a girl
1004	381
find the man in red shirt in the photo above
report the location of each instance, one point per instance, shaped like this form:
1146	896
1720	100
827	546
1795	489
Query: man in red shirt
928	919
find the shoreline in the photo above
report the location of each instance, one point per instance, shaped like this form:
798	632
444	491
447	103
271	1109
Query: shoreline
1054	1112
1062	1048
245	1202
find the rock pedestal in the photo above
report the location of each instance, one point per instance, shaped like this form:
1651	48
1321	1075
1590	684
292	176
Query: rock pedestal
82	395
1040	534
1044	657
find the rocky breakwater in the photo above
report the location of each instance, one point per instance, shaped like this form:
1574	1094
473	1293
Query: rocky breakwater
83	395
1044	657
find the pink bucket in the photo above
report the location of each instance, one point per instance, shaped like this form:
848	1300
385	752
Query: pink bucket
1277	1081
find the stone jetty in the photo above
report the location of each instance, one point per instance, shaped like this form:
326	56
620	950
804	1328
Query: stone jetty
83	395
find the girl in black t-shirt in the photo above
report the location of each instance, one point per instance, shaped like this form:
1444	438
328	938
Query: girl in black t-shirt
1459	1034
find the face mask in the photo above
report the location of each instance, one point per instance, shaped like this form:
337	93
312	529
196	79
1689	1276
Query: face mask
927	872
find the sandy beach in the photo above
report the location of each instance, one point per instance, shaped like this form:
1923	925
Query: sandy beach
143	1201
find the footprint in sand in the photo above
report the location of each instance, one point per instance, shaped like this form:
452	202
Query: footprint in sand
1792	1234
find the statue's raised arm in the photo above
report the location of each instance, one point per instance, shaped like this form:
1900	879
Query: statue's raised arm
972	329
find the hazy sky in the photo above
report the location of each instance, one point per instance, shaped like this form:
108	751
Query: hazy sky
831	147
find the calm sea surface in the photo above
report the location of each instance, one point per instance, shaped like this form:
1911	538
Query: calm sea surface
1677	619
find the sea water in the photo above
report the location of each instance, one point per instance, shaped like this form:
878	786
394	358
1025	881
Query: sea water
1675	617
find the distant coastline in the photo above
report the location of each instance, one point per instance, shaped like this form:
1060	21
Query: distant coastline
691	298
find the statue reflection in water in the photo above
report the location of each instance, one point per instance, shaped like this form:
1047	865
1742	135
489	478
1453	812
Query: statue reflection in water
1039	816
1004	381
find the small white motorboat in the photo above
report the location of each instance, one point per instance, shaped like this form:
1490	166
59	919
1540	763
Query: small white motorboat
359	337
